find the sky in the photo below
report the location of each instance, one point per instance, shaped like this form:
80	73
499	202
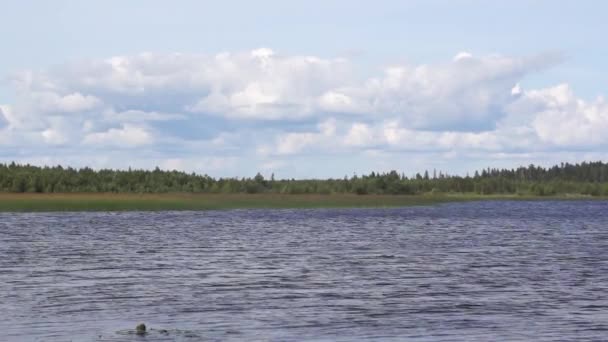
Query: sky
303	89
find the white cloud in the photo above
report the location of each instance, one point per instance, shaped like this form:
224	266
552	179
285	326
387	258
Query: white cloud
51	102
401	138
5	115
72	103
295	142
258	85
262	53
271	86
180	108
54	137
390	135
462	55
292	143
336	101
359	135
328	127
140	116
127	135
566	120
467	94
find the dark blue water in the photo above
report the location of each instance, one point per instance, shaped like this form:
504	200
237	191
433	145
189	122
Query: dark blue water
487	271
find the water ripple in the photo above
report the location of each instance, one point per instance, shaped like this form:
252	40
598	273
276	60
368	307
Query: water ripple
456	272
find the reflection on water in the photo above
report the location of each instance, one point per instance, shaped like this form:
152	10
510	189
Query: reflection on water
456	272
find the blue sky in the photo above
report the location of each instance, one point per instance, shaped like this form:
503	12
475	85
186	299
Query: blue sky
303	89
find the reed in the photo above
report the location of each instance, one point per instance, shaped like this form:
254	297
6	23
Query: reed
29	202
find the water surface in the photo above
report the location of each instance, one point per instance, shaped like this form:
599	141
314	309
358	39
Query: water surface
455	272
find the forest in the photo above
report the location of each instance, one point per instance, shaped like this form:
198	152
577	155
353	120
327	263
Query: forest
587	178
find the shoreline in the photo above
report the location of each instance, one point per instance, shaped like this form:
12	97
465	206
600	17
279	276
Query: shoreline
75	202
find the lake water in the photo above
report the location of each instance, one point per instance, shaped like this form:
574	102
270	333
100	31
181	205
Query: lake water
482	271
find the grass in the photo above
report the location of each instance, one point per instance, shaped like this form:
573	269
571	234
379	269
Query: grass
10	202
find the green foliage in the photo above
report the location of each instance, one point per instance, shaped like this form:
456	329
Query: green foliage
586	179
11	202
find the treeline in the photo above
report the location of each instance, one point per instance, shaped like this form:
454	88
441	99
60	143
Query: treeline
584	178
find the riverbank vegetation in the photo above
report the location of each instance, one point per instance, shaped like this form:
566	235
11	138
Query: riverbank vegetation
580	179
32	202
184	201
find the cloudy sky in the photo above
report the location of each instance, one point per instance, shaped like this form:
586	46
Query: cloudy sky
303	89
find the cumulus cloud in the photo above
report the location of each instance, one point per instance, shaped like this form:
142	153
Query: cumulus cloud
388	135
566	120
291	143
70	103
272	87
359	135
462	55
179	108
128	135
469	93
466	92
258	85
140	116
54	137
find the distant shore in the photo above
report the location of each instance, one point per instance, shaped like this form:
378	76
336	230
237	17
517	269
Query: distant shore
10	202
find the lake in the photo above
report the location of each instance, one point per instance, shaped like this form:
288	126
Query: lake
478	271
